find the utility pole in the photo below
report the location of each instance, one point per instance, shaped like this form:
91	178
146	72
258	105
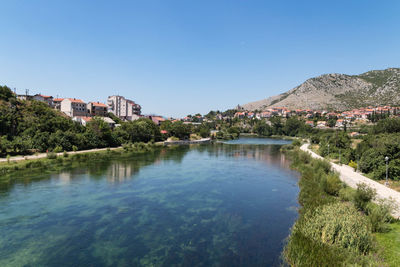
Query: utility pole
387	160
328	150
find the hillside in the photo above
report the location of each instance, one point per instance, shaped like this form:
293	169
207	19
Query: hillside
339	91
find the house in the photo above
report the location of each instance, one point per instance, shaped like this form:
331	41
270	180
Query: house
354	134
73	107
57	103
239	115
25	97
157	119
83	120
321	124
109	121
44	98
97	109
339	123
311	123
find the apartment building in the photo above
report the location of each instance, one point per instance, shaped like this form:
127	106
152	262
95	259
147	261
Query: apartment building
123	108
97	109
73	107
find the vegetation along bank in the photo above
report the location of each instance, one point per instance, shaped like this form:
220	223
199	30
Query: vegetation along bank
337	225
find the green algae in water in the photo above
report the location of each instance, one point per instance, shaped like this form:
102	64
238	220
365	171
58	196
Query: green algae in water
214	205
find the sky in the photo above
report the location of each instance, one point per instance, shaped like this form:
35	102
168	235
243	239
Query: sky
179	57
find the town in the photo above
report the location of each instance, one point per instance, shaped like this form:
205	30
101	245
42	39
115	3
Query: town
82	112
128	110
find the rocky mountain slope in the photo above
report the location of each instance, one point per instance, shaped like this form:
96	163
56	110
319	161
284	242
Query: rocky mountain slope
339	91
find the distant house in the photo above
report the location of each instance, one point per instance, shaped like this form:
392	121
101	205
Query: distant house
44	98
25	97
109	121
97	109
83	120
73	107
57	103
311	123
157	119
354	134
339	123
321	124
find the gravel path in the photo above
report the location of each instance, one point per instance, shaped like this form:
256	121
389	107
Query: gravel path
352	178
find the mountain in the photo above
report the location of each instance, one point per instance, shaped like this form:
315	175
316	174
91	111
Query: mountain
339	92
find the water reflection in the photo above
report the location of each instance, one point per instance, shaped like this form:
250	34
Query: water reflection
120	169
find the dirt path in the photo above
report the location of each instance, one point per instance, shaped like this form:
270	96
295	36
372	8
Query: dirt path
352	178
43	155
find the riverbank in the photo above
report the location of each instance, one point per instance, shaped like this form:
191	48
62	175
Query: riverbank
45	155
188	142
337	225
352	179
50	162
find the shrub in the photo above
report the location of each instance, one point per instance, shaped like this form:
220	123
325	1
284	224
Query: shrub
8	159
65	154
353	164
74	148
332	184
296	142
194	137
322	165
58	149
51	155
363	195
379	215
346	194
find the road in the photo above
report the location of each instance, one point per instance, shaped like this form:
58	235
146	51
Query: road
352	178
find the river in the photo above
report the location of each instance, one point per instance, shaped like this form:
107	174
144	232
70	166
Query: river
228	204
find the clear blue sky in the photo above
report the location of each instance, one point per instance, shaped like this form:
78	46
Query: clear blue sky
181	57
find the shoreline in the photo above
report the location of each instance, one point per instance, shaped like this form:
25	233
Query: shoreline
352	179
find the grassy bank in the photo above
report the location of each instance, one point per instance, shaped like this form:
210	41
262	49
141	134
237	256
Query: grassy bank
337	225
54	163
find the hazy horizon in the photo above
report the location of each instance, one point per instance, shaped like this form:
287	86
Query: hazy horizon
176	58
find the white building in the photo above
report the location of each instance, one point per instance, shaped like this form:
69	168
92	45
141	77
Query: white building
74	107
44	98
123	108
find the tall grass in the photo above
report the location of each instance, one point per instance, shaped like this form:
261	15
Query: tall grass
330	230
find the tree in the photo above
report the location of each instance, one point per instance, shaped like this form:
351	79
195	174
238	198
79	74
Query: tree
262	128
292	126
180	130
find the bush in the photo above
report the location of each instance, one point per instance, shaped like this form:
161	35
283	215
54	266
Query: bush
58	149
74	148
363	195
322	165
353	165
65	154
51	155
296	142
332	184
346	194
379	215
